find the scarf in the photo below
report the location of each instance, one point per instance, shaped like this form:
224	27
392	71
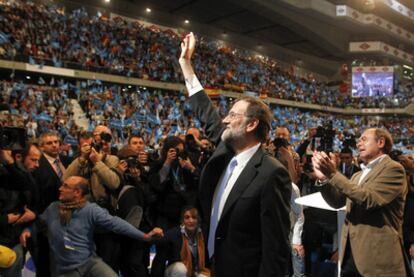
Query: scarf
186	256
66	208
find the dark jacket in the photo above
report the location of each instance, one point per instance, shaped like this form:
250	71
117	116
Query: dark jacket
48	182
14	195
173	195
252	235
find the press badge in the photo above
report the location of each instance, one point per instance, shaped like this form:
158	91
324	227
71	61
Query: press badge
68	243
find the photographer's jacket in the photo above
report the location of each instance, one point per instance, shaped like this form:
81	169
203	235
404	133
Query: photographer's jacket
102	177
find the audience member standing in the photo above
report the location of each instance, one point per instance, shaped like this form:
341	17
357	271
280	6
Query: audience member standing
372	242
48	178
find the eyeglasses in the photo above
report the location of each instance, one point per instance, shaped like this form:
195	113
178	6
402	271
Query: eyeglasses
233	115
67	187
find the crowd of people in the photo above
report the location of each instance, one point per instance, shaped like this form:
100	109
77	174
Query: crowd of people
199	178
74	39
156	114
107	191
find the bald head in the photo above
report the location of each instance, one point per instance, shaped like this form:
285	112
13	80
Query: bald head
78	182
101	129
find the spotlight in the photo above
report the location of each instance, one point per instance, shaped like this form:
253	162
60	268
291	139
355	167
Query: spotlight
148	10
187	21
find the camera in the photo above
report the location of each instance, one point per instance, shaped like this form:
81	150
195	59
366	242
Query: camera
183	154
207	152
132	162
97	146
324	137
280	142
349	140
106	137
308	166
12	138
152	154
190	142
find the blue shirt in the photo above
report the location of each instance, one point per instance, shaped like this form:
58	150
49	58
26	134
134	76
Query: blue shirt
72	245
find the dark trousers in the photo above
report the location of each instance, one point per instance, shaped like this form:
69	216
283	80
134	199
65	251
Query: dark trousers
39	250
108	248
134	258
348	268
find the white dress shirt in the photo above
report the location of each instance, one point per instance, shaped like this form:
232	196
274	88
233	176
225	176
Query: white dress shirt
367	168
242	159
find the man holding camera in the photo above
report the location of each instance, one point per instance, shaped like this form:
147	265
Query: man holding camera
134	202
98	168
372	242
103	139
137	144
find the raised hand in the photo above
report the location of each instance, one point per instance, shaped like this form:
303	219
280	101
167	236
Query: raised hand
187	48
171	156
323	165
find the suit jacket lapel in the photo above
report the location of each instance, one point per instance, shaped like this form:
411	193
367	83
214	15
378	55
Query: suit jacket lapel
211	175
376	170
48	169
244	180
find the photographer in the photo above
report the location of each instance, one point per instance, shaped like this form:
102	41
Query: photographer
174	179
145	157
199	149
99	169
103	140
133	205
310	134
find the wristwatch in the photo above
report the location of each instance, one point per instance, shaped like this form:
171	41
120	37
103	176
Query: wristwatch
320	183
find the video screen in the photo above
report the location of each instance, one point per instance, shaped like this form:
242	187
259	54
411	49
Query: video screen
372	82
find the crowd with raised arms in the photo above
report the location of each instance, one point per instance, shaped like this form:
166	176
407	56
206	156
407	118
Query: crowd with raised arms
48	34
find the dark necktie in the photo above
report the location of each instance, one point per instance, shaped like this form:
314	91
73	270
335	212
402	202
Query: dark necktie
58	169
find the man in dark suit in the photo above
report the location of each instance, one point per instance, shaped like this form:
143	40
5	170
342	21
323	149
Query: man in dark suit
347	166
244	193
51	169
372	240
48	180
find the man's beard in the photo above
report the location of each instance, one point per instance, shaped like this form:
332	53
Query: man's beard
232	136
